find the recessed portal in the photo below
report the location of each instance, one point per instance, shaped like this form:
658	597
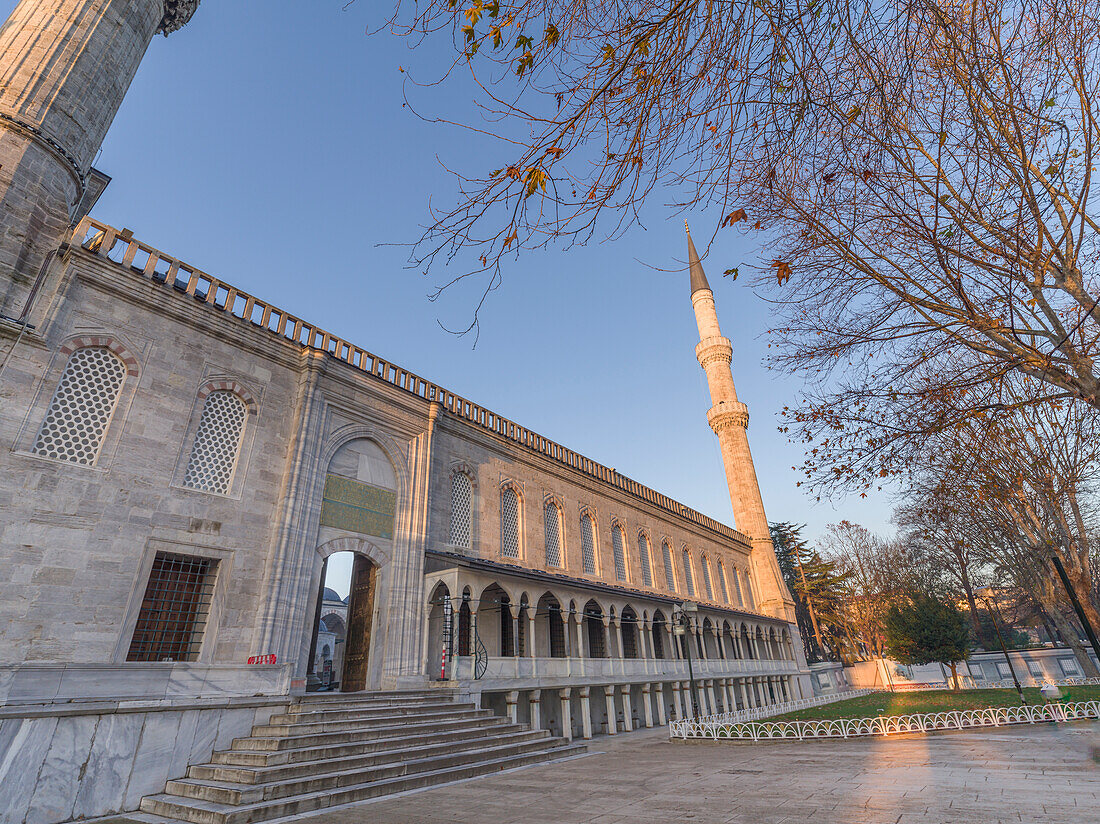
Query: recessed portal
342	628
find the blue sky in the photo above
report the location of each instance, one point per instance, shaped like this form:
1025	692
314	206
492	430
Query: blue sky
267	143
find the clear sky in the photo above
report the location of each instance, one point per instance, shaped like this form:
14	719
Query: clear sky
267	143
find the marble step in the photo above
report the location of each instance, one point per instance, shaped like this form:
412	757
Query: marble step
357	721
268	773
271	758
370	698
299	714
237	793
200	811
288	742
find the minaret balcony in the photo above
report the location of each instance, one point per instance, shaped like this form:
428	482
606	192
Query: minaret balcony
711	350
727	414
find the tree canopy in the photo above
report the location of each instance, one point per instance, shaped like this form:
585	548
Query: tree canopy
925	630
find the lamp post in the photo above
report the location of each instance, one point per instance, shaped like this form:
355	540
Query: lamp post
687	609
991	609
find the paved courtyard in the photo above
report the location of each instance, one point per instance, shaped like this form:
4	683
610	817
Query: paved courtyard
1040	773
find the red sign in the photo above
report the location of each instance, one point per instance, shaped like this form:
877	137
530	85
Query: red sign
262	659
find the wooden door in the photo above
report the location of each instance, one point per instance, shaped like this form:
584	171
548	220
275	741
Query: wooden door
360	612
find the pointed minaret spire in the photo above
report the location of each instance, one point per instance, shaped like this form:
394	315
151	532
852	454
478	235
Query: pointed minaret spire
729	418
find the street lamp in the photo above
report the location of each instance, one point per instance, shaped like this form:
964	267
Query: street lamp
683	621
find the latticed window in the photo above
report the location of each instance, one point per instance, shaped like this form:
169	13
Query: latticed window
619	551
705	564
461	496
643	555
552	517
509	523
588	545
737	586
725	593
217	443
670	576
174	610
82	406
689	582
750	601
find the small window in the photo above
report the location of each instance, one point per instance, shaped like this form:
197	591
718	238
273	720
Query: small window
670	577
588	545
217	443
1003	670
750	602
689	582
461	495
723	590
643	556
509	523
82	406
619	551
706	577
552	517
1070	667
174	610
1035	668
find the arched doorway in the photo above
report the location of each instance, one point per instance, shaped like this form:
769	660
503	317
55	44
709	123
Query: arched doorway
344	623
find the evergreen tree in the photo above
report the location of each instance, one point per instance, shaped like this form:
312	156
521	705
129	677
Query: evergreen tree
927	631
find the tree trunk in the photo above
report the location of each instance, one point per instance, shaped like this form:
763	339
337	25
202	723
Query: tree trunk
965	576
954	676
1072	638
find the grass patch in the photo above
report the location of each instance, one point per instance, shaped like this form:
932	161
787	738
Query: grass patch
906	703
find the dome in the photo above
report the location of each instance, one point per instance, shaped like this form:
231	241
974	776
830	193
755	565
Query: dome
329	594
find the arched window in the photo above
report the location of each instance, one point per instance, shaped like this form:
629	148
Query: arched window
588	545
82	406
461	497
552	517
509	523
643	555
725	593
750	601
217	443
706	577
689	581
737	585
670	576
619	551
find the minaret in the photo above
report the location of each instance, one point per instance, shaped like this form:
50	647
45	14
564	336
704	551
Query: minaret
729	418
65	66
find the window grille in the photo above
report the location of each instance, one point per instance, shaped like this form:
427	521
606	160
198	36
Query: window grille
670	577
465	626
507	642
618	551
629	630
658	637
552	517
509	523
588	545
557	630
706	577
217	443
1069	667
750	602
82	406
689	582
174	610
643	555
461	497
724	590
737	585
597	645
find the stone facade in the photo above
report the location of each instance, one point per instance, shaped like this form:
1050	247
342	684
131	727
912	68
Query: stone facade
179	459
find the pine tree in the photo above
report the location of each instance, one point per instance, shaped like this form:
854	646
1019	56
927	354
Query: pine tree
927	631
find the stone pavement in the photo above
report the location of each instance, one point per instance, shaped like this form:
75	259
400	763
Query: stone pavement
1041	773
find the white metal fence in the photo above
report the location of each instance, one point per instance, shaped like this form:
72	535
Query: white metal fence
754	713
884	725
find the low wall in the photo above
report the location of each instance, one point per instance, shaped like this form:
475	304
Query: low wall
79	760
1032	666
828	678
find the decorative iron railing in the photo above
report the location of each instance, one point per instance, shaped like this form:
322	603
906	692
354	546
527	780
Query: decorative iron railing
121	248
884	725
754	713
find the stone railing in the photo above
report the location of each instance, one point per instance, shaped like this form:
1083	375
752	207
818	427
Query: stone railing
143	260
620	669
884	725
686	728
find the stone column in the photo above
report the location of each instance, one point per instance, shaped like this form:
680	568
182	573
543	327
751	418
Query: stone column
647	702
513	610
718	642
731	696
677	701
628	709
579	619
530	649
744	694
511	699
673	647
609	703
586	713
534	705
661	717
702	642
618	624
710	697
645	639
566	714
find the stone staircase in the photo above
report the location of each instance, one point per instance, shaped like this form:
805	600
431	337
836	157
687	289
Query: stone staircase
333	750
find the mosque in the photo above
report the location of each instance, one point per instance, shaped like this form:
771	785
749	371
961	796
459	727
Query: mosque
180	460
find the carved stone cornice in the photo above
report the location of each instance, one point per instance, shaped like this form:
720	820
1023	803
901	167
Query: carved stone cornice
728	414
711	350
176	15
